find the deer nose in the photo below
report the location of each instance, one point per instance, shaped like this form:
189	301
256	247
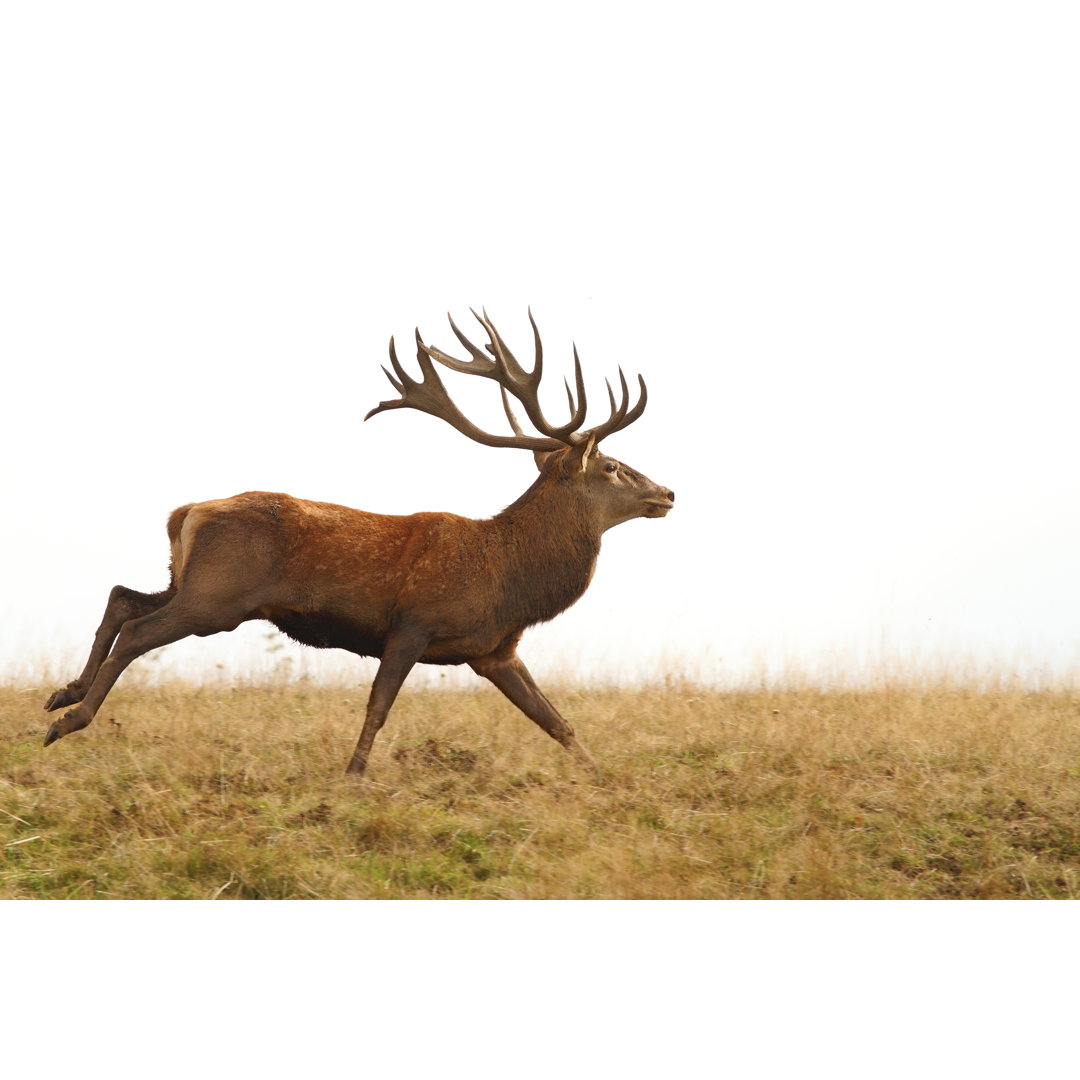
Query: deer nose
670	495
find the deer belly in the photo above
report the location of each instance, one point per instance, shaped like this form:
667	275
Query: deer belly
330	632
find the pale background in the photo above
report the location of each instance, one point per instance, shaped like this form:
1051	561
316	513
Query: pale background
839	241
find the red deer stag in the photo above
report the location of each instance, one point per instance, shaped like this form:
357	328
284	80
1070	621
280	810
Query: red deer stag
431	588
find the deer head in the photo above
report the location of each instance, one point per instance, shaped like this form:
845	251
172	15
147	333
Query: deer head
607	489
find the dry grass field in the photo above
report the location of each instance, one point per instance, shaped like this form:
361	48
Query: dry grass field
238	792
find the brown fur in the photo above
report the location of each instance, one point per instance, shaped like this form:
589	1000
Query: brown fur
430	588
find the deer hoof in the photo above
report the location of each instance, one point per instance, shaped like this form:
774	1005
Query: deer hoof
69	722
70	695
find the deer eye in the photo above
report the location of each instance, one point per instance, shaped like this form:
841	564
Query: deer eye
611	467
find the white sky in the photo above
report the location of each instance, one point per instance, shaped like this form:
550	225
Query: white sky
840	241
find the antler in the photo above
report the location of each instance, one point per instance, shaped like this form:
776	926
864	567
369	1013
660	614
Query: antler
513	378
430	396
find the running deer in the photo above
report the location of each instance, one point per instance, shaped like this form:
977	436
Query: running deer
431	588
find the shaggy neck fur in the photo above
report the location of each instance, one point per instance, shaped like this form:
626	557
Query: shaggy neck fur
549	548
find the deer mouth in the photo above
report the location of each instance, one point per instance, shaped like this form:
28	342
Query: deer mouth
658	508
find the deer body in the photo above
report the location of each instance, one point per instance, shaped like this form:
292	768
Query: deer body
431	588
470	585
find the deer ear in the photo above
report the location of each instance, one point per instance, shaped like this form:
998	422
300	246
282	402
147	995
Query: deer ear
540	457
580	454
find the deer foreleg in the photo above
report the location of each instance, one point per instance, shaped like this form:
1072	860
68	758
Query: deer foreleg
512	677
403	648
124	604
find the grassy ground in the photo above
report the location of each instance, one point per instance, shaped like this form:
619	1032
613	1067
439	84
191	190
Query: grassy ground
229	792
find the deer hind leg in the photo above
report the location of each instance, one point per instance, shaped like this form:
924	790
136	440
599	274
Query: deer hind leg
168	623
512	677
124	604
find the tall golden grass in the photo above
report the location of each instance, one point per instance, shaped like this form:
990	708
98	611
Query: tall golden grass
226	792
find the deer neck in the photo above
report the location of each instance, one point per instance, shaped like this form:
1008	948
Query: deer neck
550	545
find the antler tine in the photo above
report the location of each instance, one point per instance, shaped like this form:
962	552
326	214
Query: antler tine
510	412
397	383
521	383
538	345
423	395
525	385
577	417
624	399
480	364
620	418
638	409
569	395
617	412
506	359
429	395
